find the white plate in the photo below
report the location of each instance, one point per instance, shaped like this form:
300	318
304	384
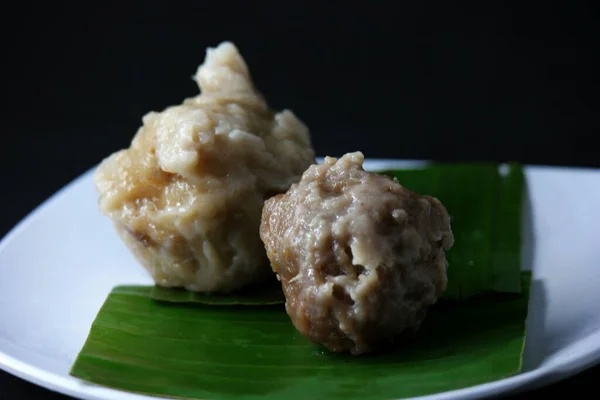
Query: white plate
59	264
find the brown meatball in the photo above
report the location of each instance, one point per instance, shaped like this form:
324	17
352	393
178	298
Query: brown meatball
360	257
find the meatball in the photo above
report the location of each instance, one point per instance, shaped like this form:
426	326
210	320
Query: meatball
186	197
360	257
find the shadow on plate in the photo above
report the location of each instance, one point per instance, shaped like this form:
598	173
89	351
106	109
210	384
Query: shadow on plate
535	341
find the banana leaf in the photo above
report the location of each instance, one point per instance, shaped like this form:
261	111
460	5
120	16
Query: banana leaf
506	236
485	209
194	351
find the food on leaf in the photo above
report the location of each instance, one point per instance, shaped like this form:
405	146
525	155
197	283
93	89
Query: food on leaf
360	257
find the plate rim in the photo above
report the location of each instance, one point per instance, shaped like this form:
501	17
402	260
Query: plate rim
71	386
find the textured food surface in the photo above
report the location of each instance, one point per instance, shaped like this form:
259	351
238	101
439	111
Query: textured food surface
360	257
186	196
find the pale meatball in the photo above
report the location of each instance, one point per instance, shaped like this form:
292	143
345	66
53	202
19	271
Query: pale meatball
360	257
186	196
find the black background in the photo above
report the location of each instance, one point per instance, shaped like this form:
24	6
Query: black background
421	80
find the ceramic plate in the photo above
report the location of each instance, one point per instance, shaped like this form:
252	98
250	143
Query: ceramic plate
60	263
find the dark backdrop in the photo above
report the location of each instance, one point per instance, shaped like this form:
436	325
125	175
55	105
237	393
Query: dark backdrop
487	81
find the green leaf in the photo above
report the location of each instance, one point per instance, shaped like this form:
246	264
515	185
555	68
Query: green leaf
263	295
482	205
197	351
506	237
